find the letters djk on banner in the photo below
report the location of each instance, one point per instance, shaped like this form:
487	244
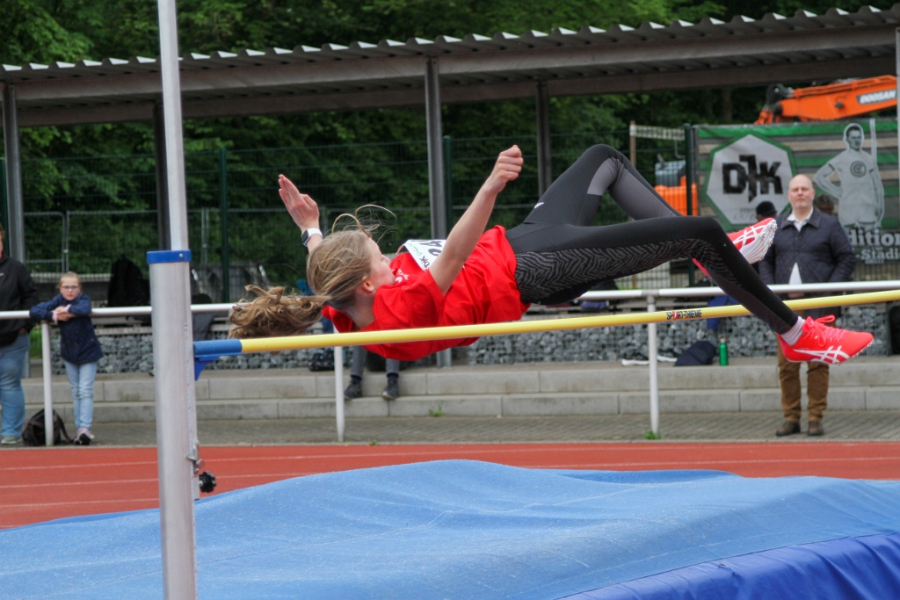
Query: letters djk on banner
745	172
852	164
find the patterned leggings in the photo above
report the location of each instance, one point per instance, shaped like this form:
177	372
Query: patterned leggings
560	256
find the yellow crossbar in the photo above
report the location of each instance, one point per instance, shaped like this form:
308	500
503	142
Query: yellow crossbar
467	331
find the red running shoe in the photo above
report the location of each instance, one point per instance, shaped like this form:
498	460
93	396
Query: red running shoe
820	343
753	241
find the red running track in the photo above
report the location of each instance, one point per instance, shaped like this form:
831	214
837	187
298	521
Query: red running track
42	484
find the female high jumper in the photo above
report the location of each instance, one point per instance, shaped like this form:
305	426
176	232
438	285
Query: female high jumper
554	256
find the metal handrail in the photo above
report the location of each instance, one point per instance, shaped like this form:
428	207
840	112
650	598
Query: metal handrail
651	296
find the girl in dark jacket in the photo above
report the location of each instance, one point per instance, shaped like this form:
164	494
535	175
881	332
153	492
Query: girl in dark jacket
79	348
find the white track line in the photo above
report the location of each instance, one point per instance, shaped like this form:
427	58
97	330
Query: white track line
575	466
444	452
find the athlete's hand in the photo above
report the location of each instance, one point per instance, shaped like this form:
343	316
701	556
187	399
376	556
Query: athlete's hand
506	169
301	207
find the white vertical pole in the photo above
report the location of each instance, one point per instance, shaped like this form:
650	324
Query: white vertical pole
48	385
170	294
652	353
175	433
339	391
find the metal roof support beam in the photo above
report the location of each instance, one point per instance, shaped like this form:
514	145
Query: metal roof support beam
162	184
542	109
897	73
436	165
435	150
15	237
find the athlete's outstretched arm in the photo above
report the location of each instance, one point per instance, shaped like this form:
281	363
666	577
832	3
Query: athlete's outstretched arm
465	234
302	208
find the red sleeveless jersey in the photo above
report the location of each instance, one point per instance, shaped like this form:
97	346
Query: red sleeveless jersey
484	292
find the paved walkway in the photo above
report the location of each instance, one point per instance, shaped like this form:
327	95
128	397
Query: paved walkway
722	426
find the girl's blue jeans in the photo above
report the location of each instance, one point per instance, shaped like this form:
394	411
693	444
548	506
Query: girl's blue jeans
81	378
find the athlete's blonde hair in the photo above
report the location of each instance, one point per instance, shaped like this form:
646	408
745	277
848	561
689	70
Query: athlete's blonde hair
339	264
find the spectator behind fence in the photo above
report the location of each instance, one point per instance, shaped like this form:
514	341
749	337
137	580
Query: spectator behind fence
809	247
79	348
765	210
17	292
825	204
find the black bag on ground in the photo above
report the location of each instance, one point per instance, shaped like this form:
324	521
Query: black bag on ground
322	360
35	435
698	353
127	286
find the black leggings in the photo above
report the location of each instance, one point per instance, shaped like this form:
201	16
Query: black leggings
560	256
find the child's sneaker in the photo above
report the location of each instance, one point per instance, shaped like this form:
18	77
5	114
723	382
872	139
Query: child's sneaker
83	437
820	343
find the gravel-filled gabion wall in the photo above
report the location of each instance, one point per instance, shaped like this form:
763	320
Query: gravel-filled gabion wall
746	336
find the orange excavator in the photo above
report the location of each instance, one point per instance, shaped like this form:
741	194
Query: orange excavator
841	100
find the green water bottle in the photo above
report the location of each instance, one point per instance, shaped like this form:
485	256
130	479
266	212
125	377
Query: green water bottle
723	352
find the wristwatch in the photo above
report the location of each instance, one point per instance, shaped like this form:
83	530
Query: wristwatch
304	237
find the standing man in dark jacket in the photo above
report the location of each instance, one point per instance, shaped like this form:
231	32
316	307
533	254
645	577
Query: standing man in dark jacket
809	247
17	292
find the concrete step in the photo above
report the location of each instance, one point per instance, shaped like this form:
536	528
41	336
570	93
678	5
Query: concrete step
594	403
509	390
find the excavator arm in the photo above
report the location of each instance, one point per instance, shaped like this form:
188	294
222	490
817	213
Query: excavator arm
829	102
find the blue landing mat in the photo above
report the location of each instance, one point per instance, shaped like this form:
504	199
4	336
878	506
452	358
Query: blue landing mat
466	530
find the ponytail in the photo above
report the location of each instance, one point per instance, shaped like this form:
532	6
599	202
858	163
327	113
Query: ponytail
336	268
274	314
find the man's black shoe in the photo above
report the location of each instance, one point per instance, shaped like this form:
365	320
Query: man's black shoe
789	428
815	428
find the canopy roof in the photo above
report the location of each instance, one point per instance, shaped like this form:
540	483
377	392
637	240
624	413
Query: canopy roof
682	55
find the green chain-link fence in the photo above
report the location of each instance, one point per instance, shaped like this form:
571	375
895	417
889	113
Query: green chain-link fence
84	213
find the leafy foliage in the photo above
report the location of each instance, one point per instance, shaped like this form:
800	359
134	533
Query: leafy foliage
340	157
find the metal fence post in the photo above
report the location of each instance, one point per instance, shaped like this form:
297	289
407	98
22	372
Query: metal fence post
65	242
448	179
689	182
339	391
223	204
652	355
48	384
4	214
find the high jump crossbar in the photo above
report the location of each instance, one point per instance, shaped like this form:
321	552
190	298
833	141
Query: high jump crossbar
208	351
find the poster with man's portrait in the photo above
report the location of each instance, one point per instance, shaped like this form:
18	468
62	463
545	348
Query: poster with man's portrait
853	180
853	166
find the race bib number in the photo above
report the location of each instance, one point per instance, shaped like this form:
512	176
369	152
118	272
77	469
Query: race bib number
424	251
